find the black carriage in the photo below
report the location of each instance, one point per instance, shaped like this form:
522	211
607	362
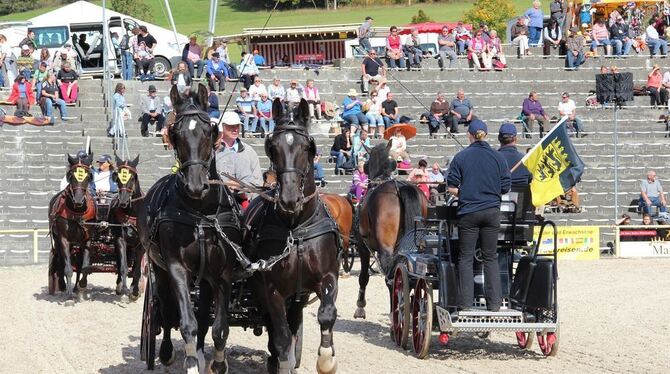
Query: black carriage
427	260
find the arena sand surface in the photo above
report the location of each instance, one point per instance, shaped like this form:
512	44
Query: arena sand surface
614	318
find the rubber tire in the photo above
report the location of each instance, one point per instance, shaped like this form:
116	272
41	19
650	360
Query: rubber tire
149	324
527	341
161	61
348	260
422	332
400	330
550	350
298	346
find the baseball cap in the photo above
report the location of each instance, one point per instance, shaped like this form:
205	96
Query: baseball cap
104	158
368	18
82	154
507	129
231	118
25	47
476	125
152	88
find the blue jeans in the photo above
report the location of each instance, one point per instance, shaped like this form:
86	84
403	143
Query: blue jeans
622	47
657	45
388	121
357	119
49	107
534	34
192	66
575	61
38	90
462	46
374	120
318	171
128	65
268	125
246	120
401	63
655	201
213	113
365	44
339	158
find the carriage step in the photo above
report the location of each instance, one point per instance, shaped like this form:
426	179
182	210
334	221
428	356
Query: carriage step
483	320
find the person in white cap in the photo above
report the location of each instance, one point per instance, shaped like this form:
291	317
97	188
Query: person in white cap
235	157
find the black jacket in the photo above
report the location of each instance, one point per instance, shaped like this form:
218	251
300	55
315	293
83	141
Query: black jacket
340	143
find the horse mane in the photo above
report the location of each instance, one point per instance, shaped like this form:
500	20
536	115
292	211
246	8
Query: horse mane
379	165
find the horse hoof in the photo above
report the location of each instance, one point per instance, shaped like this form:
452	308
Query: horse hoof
83	283
125	299
191	365
169	361
326	363
218	367
132	297
359	313
69	302
119	289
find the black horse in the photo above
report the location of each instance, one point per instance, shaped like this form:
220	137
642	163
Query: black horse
69	210
123	217
297	235
187	228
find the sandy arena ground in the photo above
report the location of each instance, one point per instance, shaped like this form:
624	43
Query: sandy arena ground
614	316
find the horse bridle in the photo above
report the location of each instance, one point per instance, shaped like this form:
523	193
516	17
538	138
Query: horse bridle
298	130
192	110
123	187
78	188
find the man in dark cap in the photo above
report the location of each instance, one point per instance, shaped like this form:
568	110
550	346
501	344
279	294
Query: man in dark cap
151	111
507	137
479	176
364	33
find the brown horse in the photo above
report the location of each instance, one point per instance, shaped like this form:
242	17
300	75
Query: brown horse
386	213
342	212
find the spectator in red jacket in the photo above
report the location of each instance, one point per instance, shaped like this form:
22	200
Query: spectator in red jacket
22	94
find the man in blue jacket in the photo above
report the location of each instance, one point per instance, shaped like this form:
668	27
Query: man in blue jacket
479	176
507	136
217	72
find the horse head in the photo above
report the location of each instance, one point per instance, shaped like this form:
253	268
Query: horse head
78	179
193	137
379	164
125	178
291	150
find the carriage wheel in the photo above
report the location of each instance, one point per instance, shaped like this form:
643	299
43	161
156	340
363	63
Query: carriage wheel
298	347
348	258
524	339
400	306
549	343
422	318
149	324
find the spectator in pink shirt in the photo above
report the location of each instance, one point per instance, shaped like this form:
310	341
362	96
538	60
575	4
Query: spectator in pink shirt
191	55
601	36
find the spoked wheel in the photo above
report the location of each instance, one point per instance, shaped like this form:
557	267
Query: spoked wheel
422	318
400	306
149	323
348	258
549	343
298	347
524	339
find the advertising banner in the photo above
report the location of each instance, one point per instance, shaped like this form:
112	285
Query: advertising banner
644	241
574	242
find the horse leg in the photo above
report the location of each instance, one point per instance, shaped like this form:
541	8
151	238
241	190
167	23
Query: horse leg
327	314
295	320
363	279
122	250
281	334
67	269
166	354
85	266
220	331
137	272
188	325
203	317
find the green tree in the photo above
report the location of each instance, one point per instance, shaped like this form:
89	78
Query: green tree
495	13
421	17
15	6
135	8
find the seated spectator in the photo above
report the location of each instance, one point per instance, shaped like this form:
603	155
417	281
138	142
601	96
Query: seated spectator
49	98
646	220
256	89
360	146
478	51
398	151
247	111
222	48
341	150
412	49
182	78
45	58
436	176
420	175
259	60
192	56
495	48
382	88
533	112
575	49
319	174
25	62
68	83
394	50
658	95
390	112
276	91
293	95
447	45
651	194
461	112
151	107
359	184
624	220
248	69
567	107
600	36
82	43
553	39
352	113
519	33
22	94
311	95
439	114
217	73
65	54
374	114
619	33
213	104
665	83
654	41
372	69
144	60
462	36
264	110
213	48
536	19
38	78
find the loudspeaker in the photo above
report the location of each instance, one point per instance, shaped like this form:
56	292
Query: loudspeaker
614	87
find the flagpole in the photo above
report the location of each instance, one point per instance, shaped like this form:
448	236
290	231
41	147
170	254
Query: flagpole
538	144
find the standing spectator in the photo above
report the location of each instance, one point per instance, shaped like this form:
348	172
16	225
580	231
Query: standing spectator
651	194
126	50
412	49
372	69
259	60
446	42
390	112
533	112
264	110
29	40
192	56
68	83
25	63
507	138
213	104
22	94
394	50
353	111
133	44
656	44
536	17
276	90
479	51
256	89
217	73
364	33
439	114
575	49
556	11
359	183
658	95
359	143
461	111
495	48
38	78
553	38
519	33
398	151
619	33
311	95
462	37
118	106
374	114
147	38
248	69
293	95
419	175
341	149
247	112
567	107
151	111
600	36
182	78
436	177
7	62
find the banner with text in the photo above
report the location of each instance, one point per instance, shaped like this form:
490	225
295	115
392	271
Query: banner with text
644	241
574	242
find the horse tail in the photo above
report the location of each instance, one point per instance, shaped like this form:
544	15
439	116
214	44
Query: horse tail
411	206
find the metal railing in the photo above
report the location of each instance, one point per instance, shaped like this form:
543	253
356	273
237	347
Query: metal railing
18	235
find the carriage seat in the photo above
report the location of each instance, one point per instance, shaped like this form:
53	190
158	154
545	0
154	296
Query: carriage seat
517	216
